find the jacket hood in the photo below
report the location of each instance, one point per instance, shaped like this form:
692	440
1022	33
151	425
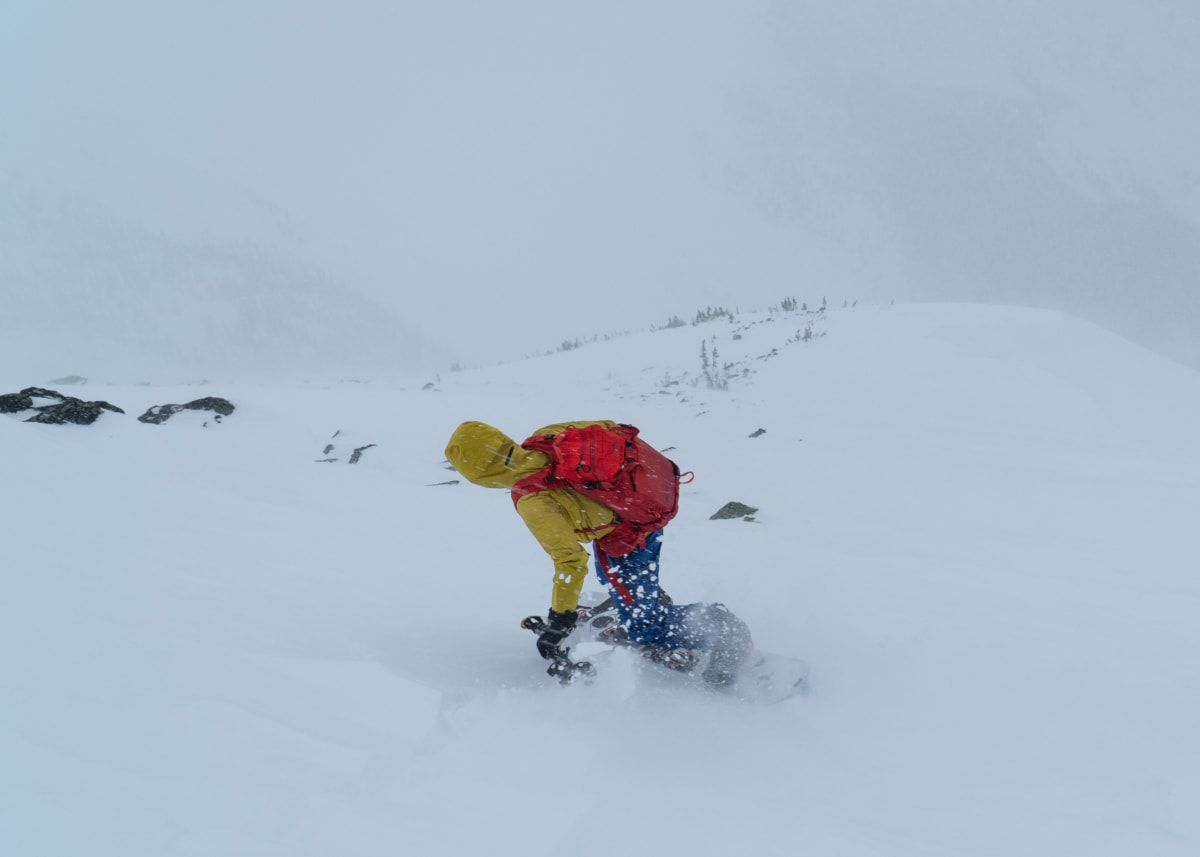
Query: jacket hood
487	456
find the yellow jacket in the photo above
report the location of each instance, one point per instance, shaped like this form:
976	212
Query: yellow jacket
560	519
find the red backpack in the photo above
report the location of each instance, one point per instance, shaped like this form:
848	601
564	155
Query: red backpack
617	469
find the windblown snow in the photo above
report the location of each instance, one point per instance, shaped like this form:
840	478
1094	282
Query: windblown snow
976	523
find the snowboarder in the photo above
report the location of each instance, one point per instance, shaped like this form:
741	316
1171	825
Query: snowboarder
565	511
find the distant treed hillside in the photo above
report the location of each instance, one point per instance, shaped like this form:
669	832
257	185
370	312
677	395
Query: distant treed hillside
87	297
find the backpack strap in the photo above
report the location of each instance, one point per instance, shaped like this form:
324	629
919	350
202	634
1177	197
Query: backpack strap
543	480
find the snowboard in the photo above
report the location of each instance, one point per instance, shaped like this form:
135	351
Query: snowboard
767	678
763	677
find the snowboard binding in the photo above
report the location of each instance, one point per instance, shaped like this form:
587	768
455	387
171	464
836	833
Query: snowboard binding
562	668
602	622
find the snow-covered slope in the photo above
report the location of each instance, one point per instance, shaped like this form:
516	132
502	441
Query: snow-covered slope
977	524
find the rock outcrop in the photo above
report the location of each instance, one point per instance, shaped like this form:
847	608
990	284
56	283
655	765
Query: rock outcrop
161	413
65	409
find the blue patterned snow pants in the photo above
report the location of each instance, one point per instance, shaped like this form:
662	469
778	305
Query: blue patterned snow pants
632	581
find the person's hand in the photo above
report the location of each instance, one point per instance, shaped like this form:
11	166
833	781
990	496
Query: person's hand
558	627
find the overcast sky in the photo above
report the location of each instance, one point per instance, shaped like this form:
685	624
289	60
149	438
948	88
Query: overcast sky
503	176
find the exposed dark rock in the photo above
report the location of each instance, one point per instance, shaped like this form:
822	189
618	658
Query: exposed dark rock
161	413
68	409
355	454
14	403
72	410
759	433
733	509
